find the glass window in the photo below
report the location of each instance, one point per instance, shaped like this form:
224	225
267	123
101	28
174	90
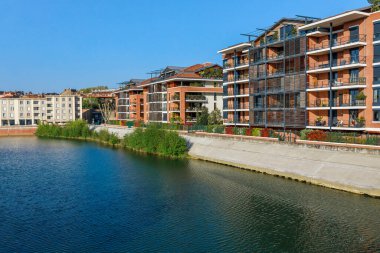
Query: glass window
376	115
376	31
354	34
376	75
376	96
376	53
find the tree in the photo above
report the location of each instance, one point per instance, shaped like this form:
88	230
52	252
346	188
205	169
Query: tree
375	5
107	107
202	116
215	117
90	103
91	89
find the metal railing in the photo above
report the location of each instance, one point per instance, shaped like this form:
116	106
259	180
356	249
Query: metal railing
337	83
337	63
337	42
196	98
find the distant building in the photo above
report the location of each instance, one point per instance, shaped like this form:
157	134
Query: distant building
130	101
176	94
33	108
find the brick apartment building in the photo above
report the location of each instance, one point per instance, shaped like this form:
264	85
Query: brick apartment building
307	73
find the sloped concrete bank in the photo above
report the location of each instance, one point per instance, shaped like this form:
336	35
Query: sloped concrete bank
348	171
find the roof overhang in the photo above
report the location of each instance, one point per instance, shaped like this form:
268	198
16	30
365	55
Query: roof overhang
335	20
183	79
235	47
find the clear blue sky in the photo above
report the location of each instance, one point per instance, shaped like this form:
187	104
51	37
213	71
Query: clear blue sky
48	45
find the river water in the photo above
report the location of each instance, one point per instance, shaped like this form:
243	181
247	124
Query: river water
67	196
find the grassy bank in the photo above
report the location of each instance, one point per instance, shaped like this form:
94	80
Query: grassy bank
151	140
156	141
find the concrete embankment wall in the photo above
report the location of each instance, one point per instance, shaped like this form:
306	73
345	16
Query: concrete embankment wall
345	168
17	131
348	171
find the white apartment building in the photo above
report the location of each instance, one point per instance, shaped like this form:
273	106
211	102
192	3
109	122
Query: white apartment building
32	110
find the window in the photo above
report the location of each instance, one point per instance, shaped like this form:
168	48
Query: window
376	115
376	31
354	75
354	34
376	53
21	102
376	96
376	75
354	55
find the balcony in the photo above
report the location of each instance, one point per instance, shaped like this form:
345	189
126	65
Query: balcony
338	64
337	124
275	57
338	44
193	109
174	109
196	98
339	84
318	32
337	103
275	73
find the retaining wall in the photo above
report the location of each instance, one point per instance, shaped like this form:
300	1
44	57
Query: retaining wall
17	131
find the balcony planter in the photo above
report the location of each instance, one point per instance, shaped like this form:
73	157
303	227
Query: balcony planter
360	122
361	96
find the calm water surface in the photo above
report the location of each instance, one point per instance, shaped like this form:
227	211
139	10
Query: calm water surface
60	196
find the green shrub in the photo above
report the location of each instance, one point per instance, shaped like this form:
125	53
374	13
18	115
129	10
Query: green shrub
256	132
304	133
157	141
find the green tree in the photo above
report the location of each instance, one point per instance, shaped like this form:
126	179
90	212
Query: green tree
202	116
90	103
375	5
215	117
91	89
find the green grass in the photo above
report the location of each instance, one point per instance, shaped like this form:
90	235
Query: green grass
152	140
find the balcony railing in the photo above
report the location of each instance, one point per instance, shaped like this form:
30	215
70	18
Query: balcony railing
337	102
273	73
275	56
339	62
193	109
337	83
338	42
196	98
348	102
242	77
338	122
319	103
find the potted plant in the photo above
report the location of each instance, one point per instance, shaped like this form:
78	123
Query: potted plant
318	121
275	35
361	96
360	122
